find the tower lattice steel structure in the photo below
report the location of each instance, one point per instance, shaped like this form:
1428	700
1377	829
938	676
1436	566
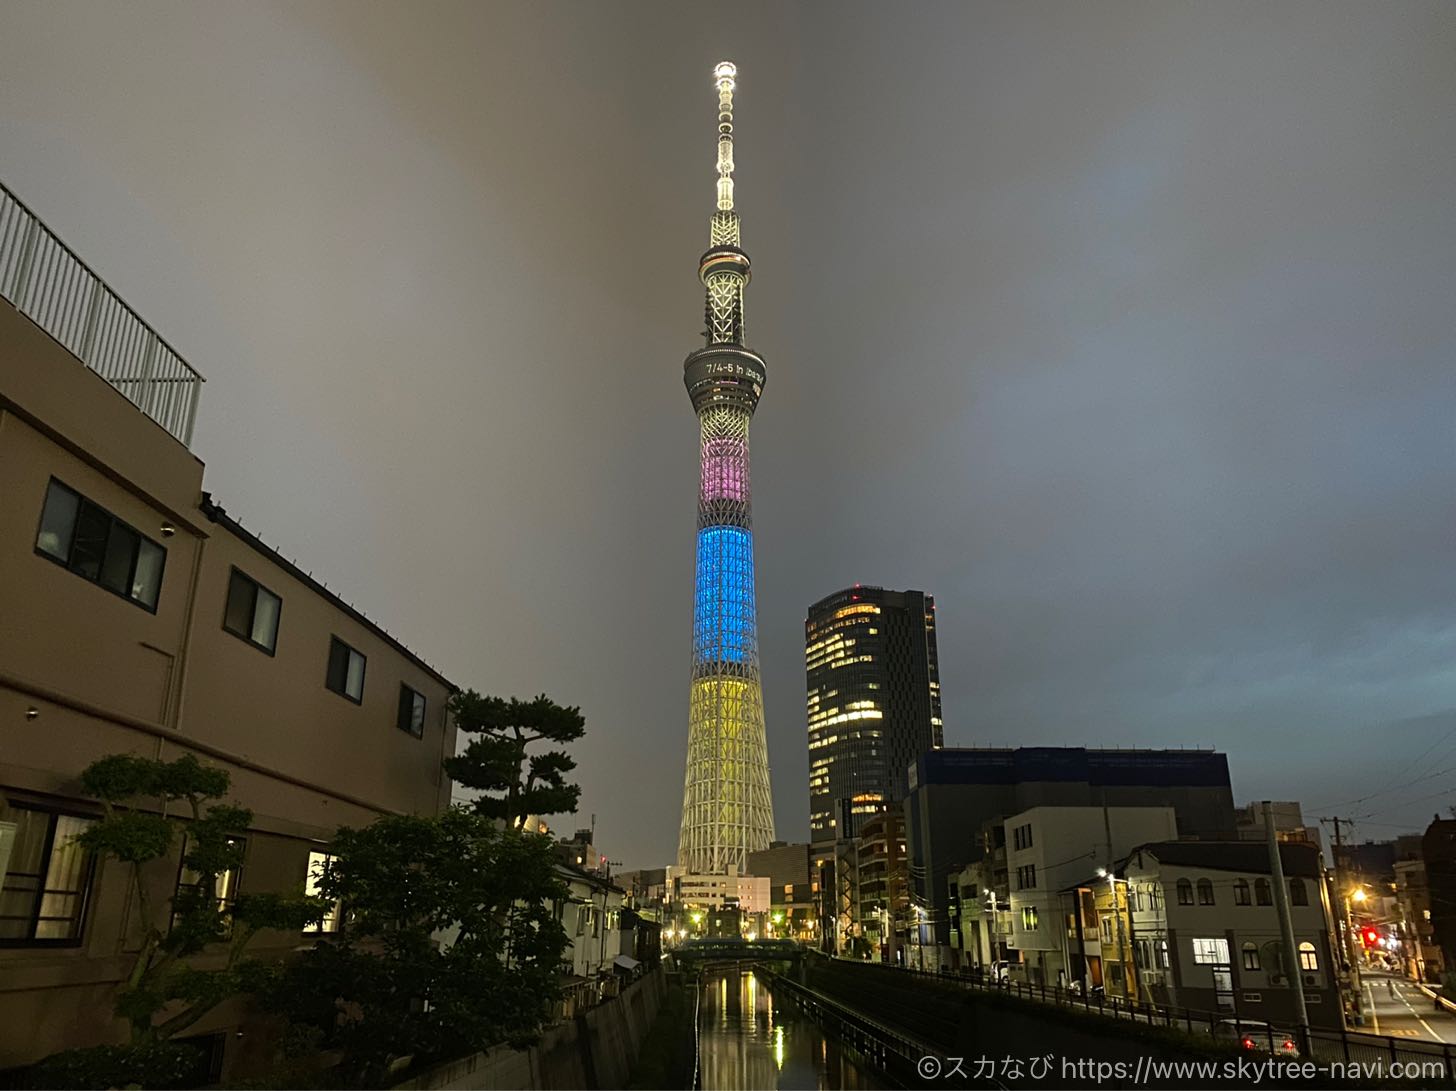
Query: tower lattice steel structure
727	806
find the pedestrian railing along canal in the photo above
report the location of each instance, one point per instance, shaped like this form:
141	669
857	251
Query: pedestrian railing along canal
1375	1052
891	1051
50	285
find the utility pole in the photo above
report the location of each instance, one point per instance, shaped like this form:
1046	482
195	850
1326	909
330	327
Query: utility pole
1352	950
1286	927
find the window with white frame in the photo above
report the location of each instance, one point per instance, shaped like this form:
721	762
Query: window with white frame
1308	957
1210	950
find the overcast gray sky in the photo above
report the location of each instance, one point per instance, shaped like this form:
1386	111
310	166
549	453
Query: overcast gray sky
1126	330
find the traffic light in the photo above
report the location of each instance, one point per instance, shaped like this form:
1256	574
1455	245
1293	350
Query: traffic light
1370	936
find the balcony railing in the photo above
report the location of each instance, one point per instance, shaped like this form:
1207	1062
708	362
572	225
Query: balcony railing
56	290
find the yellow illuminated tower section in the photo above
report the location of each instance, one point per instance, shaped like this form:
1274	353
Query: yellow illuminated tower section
727	806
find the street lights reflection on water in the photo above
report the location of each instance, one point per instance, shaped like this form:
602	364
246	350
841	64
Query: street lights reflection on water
749	1040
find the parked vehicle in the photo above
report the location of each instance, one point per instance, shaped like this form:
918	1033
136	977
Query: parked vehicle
1257	1037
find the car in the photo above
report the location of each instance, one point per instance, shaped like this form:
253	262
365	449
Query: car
1001	972
1257	1037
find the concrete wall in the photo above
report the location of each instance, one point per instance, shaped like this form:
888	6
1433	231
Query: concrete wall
594	1050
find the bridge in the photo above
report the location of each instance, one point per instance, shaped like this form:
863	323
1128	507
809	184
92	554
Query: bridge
695	952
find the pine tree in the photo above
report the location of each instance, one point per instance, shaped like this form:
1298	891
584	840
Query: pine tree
514	783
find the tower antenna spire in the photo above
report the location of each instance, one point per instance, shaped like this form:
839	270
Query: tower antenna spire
725	75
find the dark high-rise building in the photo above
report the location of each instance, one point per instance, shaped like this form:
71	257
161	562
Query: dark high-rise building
873	702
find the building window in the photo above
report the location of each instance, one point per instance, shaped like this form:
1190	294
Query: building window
1106	929
1164	961
99	547
1241	892
224	884
1308	957
318	864
411	716
1028	918
1205	892
346	671
1021	837
1026	877
1297	894
1262	892
1185	892
252	612
1251	956
1210	950
44	891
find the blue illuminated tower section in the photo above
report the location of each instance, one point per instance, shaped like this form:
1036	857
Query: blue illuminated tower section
727	804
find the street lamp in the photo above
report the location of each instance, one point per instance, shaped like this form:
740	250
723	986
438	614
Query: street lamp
1124	941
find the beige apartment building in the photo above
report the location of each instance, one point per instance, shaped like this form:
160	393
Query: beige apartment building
136	616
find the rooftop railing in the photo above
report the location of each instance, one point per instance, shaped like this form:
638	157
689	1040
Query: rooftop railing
57	291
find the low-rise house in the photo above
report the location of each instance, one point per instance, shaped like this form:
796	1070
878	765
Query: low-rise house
592	917
139	617
1205	931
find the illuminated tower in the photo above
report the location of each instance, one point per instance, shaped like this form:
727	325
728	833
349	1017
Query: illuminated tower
727	807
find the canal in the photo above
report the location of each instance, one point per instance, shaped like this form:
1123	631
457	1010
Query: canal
747	1039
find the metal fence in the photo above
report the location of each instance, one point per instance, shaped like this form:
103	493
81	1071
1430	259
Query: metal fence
891	1051
56	290
1377	1053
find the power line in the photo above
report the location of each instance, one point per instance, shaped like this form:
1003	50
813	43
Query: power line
1385	791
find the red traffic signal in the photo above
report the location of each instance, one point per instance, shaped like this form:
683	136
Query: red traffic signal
1370	936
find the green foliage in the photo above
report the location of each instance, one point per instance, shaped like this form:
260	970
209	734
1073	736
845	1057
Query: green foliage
122	777
190	921
515	783
451	944
153	1064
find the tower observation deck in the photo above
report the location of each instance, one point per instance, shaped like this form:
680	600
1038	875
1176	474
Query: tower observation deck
727	805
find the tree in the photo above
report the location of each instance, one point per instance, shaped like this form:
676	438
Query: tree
513	783
451	943
163	993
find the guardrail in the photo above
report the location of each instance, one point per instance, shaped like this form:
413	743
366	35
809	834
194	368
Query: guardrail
45	281
891	1051
1322	1044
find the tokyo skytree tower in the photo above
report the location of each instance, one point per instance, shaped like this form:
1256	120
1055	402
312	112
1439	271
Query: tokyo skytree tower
727	806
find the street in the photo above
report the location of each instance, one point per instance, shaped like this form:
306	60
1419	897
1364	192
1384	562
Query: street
1410	1013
